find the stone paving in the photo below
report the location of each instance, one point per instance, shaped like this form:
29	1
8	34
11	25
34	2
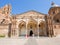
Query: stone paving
30	41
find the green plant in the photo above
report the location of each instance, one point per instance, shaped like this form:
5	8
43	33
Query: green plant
2	35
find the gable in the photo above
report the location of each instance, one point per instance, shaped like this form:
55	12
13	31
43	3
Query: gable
30	13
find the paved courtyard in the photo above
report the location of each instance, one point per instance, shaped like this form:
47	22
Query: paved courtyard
30	41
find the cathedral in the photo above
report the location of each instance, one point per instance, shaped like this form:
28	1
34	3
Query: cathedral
30	23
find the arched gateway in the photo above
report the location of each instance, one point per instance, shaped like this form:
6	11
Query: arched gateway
32	27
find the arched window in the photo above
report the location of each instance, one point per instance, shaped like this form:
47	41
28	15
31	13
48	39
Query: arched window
53	12
39	25
57	20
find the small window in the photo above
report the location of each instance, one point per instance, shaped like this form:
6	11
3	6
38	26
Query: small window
57	20
7	12
53	12
39	25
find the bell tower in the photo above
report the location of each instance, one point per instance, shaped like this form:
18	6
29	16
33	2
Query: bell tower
6	10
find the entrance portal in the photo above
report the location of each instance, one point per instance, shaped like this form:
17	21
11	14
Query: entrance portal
31	33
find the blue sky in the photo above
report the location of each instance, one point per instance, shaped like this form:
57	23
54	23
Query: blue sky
20	6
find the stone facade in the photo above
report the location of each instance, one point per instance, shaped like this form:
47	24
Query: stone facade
29	23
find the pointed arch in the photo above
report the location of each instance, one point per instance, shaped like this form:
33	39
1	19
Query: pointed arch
22	28
21	24
42	30
32	25
42	25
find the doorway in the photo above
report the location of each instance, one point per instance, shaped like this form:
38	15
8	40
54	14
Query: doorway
31	33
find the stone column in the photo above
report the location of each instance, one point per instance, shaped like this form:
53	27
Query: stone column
38	26
9	32
26	28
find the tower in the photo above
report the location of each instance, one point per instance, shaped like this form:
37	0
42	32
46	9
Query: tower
6	10
53	18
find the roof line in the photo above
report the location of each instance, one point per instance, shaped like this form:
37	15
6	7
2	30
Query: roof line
29	11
